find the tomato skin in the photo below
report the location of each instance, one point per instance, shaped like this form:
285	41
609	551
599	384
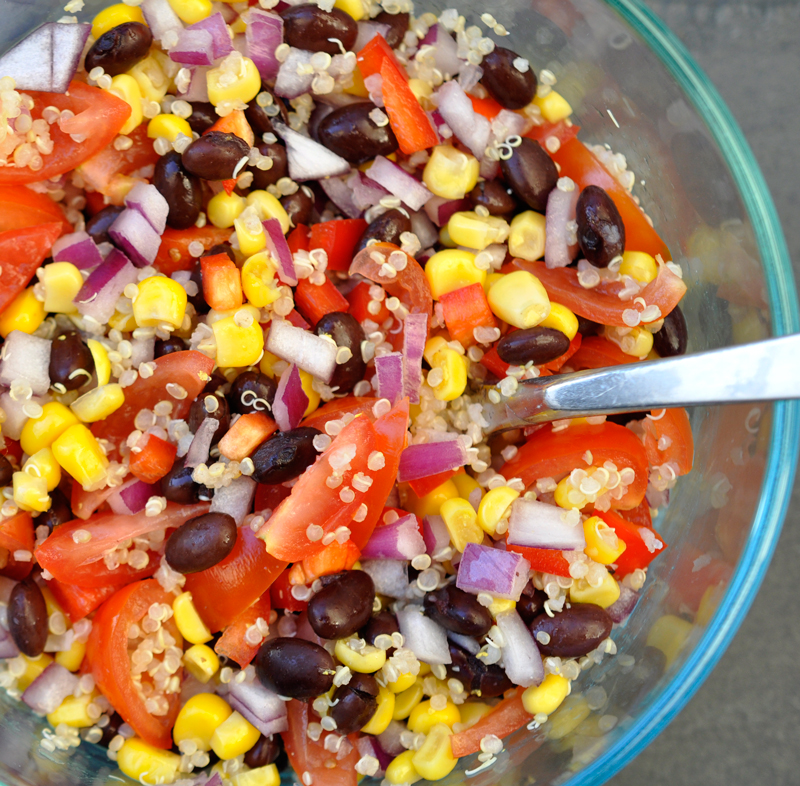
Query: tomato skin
636	555
338	238
270	496
173	253
544	560
20	208
16	532
232	643
280	594
78	602
335	409
314	302
674	425
154	461
599	352
560	130
359	300
639	515
508	716
22	251
107	651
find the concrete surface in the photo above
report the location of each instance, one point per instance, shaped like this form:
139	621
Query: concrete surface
743	725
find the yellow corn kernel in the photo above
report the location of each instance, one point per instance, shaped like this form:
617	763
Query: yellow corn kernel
432	346
217	316
406	701
400	769
267	206
669	634
354	8
472	712
99	403
526	239
115	15
151	77
234	737
43	464
102	365
445	239
365	661
572	712
50	602
160	300
603	596
73	711
424	669
41	432
402	683
519	299
30	492
562	496
237	346
638	265
449	173
191	11
494	506
423	717
435	760
80	455
431	503
72	658
499	605
33	668
636	342
125	87
201	662
708	604
602	543
124	322
547	697
453	377
469	229
259	776
62	281
24	313
188	620
380	721
561	318
314	398
168	126
453	269
223	210
250	235
199	718
422	91
491	280
461	521
146	764
466	484
244	87
553	106
258	280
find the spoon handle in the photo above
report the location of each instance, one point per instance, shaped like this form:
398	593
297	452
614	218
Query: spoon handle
763	371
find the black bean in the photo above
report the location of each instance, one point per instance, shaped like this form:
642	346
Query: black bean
120	49
510	87
586	327
601	233
284	456
68	355
489	680
260	119
531	604
295	668
383	623
167	346
58	512
537	344
386	228
264	752
27	618
177	485
198	301
280	166
214	385
203	116
6	471
309	27
531	174
298	206
252	392
346	331
220	248
201	542
215	156
97	226
457	611
182	190
398	24
494	196
343	605
573	632
209	405
351	133
673	337
355	703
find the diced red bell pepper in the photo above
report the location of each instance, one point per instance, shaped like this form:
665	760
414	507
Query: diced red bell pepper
508	716
234	123
334	558
222	282
371	57
642	544
599	352
233	642
423	486
173	253
79	602
487	107
298	239
280	594
544	560
338	239
315	301
296	318
410	123
246	434
154	460
491	360
561	360
464	310
360	299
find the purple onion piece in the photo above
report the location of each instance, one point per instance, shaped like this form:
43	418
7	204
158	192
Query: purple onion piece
132	233
415	334
389	376
435	534
194	48
264	35
235	499
220	40
291	400
49	689
621	609
78	249
400	183
498	572
471	129
148	200
422	461
399	540
280	252
341	195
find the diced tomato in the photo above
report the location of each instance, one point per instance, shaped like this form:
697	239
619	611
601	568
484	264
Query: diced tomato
99	112
599	352
313	301
220	593
107	651
14	568
154	460
423	486
12	450
642	544
559	362
298	239
22	251
336	408
82	563
334	558
222	282
20	208
338	239
233	643
544	560
280	594
508	716
409	121
78	602
16	533
246	434
554	454
668	438
491	360
639	515
269	497
84	503
359	300
297	320
464	310
173	253
487	107
370	58
691	580
234	123
560	130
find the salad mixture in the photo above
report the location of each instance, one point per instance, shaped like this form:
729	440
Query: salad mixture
259	262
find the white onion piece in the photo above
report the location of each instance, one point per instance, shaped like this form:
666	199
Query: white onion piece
198	85
201	444
507	123
148	200
544	526
469	76
558	252
398	182
470	128
367	30
262	704
521	658
314	354
467	643
337	190
26	358
309	160
445	50
390	576
160	18
424	637
15	415
8	649
366	192
424	229
142	350
49	689
289	83
235	499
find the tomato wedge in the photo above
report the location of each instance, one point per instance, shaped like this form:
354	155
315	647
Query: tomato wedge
16	533
22	251
107	651
233	642
20	208
599	352
334	558
173	253
95	109
508	716
280	594
76	601
338	407
668	438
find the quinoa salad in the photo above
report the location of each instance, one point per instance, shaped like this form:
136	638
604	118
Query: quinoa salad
261	264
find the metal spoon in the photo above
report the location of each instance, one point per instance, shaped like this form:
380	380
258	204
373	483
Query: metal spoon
762	371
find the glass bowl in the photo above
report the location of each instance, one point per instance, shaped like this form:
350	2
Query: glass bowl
634	87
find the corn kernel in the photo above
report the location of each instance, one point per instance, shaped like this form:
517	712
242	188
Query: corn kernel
604	595
561	496
449	173
353	8
494	506
258	280
669	634
245	88
115	15
41	432
125	87
30	492
267	206
519	299
199	718
445	239
500	605
217	316
259	776
547	697
62	281
402	683
423	717
561	318
201	662
454	374
72	658
223	210
43	464
602	543
24	313
188	620
431	503
453	269
407	700
461	521
102	365
80	455
33	668
99	403
400	769
73	711
234	737
636	342
314	398
491	280
124	322
554	107
250	242
365	661
473	231
527	237
237	346
160	300
146	764
380	721
435	760
168	126
472	712
638	265
422	91
191	11
466	485
151	77
572	712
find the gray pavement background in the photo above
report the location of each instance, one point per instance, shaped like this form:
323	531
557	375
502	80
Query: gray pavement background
743	725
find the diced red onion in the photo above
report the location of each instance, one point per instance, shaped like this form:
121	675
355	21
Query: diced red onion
435	534
369	746
622	607
543	526
470	128
49	689
8	649
279	250
655	499
308	160
198	85
142	350
160	17
148	200
367	30
194	48
220	40
424	637
467	643
264	35
261	707
445	50
100	292
415	334
78	249
397	181
235	499
507	123
521	658
201	444
132	233
490	168
366	192
424	229
215	779
439	210
289	83
389	376
390	576
390	739
400	540
374	85
422	461
131	497
26	358
503	574
313	354
469	76
291	400
558	252
341	195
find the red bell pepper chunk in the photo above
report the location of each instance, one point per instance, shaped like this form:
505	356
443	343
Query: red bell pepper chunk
371	57
642	544
222	282
233	642
423	486
599	352
464	310
234	123
359	300
154	461
246	434
410	123
298	238
297	320
338	239
280	594
314	301
79	602
544	560
560	130
491	360
334	558
508	716
561	360
487	107
173	253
